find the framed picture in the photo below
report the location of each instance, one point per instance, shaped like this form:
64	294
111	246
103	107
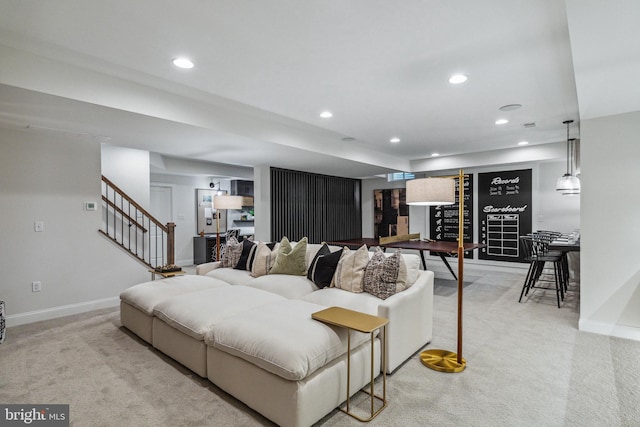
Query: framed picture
391	213
207	214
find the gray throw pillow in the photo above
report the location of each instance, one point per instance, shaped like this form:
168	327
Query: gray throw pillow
381	274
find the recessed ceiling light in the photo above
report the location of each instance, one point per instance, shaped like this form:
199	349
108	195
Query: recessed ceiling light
510	107
435	154
523	143
502	121
457	79
183	63
326	114
394	140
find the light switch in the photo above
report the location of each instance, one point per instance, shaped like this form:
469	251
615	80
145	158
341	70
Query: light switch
38	226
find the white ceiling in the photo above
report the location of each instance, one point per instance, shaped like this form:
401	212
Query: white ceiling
265	70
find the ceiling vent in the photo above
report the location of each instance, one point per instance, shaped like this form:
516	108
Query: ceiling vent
530	125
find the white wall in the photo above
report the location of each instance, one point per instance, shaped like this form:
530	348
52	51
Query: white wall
128	169
262	202
555	211
610	229
46	177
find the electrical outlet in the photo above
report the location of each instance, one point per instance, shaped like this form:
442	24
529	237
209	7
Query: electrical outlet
36	286
38	226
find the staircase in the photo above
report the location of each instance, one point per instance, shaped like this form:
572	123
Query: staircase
135	230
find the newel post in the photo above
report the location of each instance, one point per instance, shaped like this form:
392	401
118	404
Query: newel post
171	245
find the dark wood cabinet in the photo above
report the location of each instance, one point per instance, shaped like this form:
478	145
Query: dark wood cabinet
241	188
204	248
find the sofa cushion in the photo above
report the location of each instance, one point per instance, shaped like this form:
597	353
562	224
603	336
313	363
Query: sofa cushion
412	265
196	313
247	255
285	285
350	270
283	339
323	268
381	274
334	297
291	260
145	296
230	275
232	253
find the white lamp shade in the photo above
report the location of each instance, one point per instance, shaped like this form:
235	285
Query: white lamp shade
568	183
431	191
227	202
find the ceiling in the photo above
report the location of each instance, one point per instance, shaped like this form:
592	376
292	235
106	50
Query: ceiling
264	71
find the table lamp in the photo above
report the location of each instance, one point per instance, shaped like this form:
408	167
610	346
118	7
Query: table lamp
224	202
433	192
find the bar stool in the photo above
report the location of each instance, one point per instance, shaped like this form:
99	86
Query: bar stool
545	237
534	253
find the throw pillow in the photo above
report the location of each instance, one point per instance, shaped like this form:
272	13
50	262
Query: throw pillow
403	274
324	268
247	256
263	259
324	250
293	262
350	271
232	253
381	274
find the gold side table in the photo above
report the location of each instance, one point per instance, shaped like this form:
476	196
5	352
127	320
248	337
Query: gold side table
366	323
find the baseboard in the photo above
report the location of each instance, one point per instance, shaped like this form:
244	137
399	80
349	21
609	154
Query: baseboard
620	331
64	310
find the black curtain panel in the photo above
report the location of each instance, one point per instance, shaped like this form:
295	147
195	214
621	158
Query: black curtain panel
319	207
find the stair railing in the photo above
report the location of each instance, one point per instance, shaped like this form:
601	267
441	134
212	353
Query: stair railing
134	229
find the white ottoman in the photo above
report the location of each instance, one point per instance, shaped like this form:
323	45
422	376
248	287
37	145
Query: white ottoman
137	302
181	324
287	366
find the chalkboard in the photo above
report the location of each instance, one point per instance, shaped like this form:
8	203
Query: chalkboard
504	213
444	219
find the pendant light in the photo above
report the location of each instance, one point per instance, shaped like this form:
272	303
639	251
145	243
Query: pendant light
567	183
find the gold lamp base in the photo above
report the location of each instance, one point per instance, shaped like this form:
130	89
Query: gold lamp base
442	360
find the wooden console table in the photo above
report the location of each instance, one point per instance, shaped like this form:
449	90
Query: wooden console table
166	274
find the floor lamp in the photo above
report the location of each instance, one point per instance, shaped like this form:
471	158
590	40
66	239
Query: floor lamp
220	203
434	192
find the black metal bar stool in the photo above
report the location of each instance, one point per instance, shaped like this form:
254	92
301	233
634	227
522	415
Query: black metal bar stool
534	253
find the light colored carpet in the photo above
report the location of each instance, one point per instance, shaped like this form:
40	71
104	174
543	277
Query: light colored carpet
527	365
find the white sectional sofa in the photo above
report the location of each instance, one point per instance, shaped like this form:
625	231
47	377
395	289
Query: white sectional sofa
254	337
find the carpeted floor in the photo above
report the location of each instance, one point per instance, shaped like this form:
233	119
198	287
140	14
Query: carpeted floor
527	365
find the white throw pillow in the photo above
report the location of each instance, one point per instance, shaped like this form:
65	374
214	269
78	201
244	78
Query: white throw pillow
263	260
350	271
